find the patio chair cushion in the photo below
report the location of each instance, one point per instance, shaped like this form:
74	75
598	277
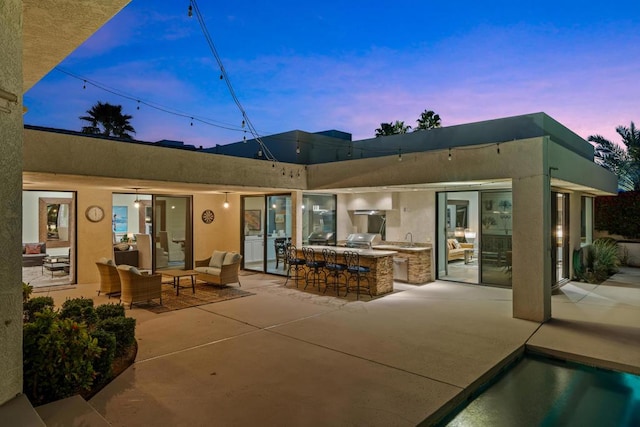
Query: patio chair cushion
231	258
217	259
106	261
215	271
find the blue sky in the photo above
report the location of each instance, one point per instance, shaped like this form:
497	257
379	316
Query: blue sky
350	65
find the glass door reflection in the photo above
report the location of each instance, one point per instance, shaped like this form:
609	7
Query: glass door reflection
172	233
278	232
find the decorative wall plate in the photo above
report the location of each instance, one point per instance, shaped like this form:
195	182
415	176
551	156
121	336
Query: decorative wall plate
208	216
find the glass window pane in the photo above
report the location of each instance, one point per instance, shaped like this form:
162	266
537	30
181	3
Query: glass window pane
496	218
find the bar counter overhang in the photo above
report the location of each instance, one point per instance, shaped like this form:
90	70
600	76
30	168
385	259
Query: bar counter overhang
379	261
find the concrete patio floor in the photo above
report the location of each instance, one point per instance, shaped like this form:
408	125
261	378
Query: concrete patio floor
285	357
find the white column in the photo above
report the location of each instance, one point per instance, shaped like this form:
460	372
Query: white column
531	250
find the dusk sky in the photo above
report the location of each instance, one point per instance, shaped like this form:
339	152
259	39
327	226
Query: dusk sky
350	65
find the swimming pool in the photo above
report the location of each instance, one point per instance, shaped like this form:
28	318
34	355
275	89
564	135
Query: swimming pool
547	392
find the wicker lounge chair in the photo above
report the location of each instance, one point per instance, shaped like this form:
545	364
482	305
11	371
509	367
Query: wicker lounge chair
109	278
139	287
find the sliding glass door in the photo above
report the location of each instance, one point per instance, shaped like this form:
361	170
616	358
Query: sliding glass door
267	222
172	232
559	238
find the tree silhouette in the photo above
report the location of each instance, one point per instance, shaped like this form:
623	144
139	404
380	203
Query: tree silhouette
387	129
106	119
428	120
623	161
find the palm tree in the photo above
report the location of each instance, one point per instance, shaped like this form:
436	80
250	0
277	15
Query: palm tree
428	120
623	161
106	119
396	128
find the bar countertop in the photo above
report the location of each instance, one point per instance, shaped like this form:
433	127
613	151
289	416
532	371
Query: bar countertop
365	253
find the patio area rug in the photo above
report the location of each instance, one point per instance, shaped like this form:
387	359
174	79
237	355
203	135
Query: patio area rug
205	294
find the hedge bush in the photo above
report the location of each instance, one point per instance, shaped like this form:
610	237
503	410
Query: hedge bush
124	330
102	366
58	357
72	350
36	305
618	214
106	311
80	310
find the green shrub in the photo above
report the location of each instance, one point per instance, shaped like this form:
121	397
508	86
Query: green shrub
27	289
36	305
106	311
123	328
599	261
58	357
618	214
80	310
102	365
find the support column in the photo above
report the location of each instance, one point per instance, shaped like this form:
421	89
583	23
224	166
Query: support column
531	256
11	135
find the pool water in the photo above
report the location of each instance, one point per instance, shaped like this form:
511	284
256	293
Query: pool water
546	392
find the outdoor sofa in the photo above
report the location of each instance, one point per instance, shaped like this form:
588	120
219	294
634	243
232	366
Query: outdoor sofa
221	268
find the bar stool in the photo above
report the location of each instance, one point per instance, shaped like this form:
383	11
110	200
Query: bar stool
334	269
356	272
314	267
293	262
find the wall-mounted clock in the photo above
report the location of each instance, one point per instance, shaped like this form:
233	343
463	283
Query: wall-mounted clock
208	216
94	213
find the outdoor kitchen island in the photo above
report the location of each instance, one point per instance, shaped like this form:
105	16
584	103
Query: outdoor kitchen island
379	261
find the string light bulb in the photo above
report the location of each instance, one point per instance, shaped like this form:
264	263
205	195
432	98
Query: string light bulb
399	154
138	106
449	153
84	84
226	200
298	148
498	148
190	11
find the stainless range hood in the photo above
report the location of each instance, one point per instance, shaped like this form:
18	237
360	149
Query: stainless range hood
369	212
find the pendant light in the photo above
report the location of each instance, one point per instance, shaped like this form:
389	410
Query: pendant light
226	200
136	202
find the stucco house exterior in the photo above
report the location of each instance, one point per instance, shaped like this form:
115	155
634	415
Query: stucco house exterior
529	165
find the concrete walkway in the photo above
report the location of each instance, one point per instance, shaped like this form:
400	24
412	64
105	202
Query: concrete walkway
284	357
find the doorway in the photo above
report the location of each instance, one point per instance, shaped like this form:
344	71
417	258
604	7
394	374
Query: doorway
172	225
457	254
266	224
559	238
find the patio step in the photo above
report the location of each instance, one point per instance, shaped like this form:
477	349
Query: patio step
72	411
19	412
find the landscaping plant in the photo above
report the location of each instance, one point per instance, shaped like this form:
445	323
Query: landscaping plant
72	351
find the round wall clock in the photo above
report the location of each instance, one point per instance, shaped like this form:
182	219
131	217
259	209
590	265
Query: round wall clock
94	213
208	216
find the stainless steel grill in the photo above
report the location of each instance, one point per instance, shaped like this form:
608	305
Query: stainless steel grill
326	238
363	240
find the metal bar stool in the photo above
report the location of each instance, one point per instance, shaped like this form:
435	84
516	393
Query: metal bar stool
334	270
356	272
314	266
293	262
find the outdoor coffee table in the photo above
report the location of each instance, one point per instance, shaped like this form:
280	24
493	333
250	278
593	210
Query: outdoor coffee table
177	274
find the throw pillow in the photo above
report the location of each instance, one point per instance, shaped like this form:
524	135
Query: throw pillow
32	248
134	270
217	259
231	258
456	244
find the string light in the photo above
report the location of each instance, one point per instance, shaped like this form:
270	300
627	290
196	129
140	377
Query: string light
84	84
138	106
190	11
449	153
297	147
399	154
498	148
